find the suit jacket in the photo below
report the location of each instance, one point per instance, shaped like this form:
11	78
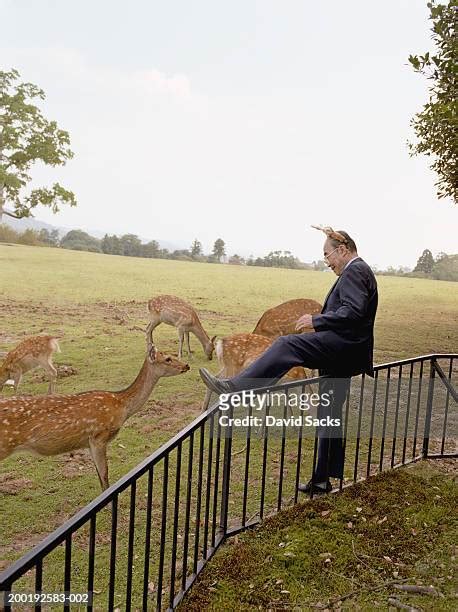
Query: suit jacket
349	311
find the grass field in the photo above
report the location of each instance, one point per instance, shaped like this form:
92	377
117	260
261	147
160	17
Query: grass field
91	301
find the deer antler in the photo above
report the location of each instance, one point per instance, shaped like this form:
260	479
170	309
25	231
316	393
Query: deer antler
330	233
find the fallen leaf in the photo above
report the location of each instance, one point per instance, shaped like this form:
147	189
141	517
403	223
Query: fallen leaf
380	521
387	559
325	512
350	525
359	509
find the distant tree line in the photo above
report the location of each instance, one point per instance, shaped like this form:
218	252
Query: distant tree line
441	267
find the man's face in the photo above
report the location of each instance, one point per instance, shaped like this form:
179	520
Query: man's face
335	257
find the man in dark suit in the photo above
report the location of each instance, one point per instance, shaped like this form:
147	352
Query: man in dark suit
341	347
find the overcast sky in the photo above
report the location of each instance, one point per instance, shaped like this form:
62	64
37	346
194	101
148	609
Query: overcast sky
246	120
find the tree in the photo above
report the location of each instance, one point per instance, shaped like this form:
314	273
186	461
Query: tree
151	249
219	250
436	125
236	260
425	262
131	245
196	249
49	237
77	240
25	138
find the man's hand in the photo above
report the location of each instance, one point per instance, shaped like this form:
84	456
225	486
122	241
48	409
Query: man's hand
305	322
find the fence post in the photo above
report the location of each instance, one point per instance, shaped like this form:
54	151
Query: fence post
429	408
226	473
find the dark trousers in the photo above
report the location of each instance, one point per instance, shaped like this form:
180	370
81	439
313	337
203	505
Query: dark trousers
329	354
330	454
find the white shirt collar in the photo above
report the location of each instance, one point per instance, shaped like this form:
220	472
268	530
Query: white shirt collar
349	262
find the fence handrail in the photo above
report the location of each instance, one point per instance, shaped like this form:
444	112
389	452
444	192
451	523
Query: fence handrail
56	537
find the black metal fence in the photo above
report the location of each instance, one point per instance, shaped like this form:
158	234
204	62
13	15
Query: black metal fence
142	543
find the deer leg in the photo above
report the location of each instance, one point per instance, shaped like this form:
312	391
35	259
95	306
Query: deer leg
180	343
52	373
99	456
187	342
17	377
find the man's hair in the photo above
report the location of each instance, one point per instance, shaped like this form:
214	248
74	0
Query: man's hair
348	241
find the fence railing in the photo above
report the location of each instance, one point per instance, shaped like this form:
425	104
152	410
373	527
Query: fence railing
142	543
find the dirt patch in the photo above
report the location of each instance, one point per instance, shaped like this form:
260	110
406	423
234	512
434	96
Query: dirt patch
9	485
75	464
63	371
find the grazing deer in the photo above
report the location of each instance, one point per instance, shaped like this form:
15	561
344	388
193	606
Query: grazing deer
175	311
281	320
55	424
235	353
29	354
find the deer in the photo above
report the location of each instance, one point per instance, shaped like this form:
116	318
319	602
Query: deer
235	353
174	311
56	424
281	320
28	354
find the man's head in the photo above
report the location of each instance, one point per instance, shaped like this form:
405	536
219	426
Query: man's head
338	251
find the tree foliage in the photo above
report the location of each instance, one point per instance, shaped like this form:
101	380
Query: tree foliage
436	126
425	262
27	137
219	249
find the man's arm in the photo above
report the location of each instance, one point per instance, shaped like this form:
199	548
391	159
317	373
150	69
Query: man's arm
354	295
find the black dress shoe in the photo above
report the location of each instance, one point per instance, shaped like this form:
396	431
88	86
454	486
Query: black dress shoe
217	385
318	488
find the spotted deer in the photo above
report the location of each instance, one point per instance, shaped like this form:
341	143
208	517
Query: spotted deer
235	353
30	353
55	424
281	320
175	311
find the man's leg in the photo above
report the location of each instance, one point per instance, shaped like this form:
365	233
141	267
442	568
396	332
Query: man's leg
286	352
330	461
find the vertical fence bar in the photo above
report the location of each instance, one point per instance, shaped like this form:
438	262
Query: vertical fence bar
447	400
358	435
216	484
299	453
396	416
149	509
385	413
175	526
38	581
247	464
225	486
114	530
165	482
187	512
91	559
371	430
429	408
130	545
282	454
406	427
199	497
264	463
344	444
68	568
211	429
417	414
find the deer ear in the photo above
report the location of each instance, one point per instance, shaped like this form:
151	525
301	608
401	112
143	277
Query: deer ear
213	340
